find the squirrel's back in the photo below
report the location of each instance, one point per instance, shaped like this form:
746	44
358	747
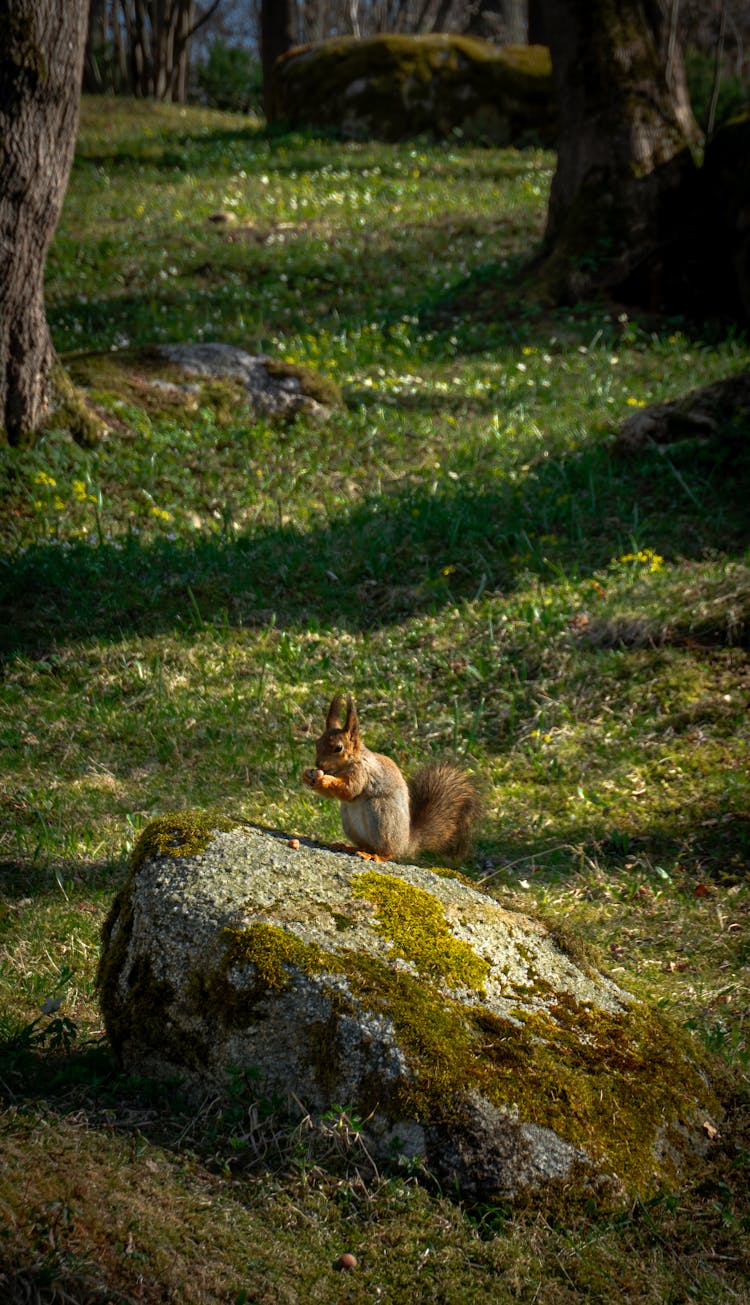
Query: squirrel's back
444	807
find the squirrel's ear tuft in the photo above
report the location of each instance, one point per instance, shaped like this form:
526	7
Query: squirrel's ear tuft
352	720
335	713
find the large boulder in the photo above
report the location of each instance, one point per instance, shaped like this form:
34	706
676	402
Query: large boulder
394	87
271	388
461	1032
172	378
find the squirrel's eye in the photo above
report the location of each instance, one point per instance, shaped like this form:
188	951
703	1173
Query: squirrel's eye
337	747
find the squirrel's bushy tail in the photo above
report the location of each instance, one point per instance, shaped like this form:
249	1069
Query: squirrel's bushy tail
445	806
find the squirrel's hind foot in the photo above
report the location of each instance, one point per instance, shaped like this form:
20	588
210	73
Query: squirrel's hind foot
357	851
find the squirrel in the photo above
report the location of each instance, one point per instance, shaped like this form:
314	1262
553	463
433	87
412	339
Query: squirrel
385	816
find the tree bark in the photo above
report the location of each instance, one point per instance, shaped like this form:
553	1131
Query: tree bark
277	35
42	44
625	128
94	69
537	34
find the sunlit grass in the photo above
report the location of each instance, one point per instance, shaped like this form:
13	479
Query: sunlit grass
463	548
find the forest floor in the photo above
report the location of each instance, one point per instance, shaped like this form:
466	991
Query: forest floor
465	548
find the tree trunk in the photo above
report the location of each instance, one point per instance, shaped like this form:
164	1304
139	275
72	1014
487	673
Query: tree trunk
94	69
537	33
42	44
476	20
277	35
120	67
625	126
180	78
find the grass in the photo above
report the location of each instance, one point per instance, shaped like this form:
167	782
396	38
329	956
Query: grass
463	548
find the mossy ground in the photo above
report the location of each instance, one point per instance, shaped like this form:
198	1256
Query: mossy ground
463	548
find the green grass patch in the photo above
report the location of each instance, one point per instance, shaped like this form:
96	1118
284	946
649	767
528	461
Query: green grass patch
463	548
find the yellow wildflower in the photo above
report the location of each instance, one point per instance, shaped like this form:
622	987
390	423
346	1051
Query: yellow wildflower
645	557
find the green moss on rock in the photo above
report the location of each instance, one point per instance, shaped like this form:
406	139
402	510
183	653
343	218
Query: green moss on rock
617	1086
180	833
415	923
394	86
272	952
313	384
428	1039
144	379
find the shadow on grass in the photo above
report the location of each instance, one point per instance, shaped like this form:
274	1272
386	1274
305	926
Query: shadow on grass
406	278
391	557
204	151
31	1071
84	1081
702	844
36	877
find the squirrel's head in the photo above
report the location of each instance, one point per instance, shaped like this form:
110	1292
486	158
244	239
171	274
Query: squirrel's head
339	744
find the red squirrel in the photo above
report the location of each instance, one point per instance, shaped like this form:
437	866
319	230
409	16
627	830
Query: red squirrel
386	817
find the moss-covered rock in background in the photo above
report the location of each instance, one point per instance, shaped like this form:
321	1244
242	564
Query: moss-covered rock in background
171	379
718	412
461	1032
393	87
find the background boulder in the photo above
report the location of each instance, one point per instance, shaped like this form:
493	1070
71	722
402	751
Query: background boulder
462	1033
178	379
394	87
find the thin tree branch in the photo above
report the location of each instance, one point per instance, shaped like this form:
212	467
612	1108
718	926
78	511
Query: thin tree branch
717	71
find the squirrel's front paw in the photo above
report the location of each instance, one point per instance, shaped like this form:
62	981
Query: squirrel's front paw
311	776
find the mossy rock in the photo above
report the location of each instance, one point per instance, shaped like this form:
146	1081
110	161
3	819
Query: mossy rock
168	381
719	413
394	87
463	1033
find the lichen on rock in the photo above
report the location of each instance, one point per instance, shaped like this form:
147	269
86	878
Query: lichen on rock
462	1032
